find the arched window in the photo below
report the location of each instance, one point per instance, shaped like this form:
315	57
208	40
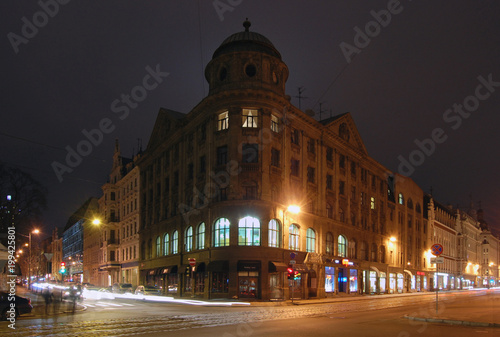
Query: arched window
409	204
293	237
352	249
311	240
364	250
175	242
221	232
329	211
150	249
401	200
417	208
249	231
158	246
200	236
274	233
188	239
329	243
382	254
166	244
374	252
342	246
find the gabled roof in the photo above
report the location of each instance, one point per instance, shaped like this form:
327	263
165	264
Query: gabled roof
165	121
344	127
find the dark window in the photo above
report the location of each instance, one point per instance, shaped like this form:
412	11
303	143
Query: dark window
329	182
275	157
203	132
250	153
222	155
190	171
250	70
294	167
353	169
311	174
112	196
341	187
329	154
342	161
250	192
223	194
311	145
223	74
295	137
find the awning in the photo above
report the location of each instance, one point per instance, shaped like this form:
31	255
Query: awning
167	270
173	270
218	266
200	267
277	267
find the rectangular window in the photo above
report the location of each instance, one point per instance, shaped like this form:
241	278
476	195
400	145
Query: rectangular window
329	182
274	124
250	153
275	157
190	172
222	155
329	279
311	145
295	137
220	282
329	154
203	163
311	174
250	118
342	161
341	187
223	121
353	193
294	167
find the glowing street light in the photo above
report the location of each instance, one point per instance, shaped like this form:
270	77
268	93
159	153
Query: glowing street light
293	209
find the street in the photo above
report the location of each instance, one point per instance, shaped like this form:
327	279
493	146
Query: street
362	316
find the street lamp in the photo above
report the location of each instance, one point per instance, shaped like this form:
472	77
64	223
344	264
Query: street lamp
294	209
35	231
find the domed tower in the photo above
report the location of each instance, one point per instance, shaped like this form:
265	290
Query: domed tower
246	60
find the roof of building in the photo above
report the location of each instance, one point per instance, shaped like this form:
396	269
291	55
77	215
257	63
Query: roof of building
247	41
79	214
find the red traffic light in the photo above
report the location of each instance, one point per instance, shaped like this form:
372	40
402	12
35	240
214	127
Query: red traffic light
63	264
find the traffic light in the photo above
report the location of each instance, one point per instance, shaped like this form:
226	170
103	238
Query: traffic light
63	268
290	272
188	272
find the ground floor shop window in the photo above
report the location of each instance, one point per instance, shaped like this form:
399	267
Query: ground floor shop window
383	281
392	283
248	284
329	279
425	283
199	279
188	283
173	283
353	281
275	289
373	282
220	282
419	284
401	282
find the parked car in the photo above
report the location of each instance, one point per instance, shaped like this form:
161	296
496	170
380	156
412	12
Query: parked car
23	305
147	290
123	288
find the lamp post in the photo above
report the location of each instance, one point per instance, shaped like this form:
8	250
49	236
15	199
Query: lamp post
295	210
35	231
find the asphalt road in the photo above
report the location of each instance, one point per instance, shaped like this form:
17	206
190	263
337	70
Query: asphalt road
372	316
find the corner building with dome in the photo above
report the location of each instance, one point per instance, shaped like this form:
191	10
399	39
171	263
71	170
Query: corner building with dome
217	183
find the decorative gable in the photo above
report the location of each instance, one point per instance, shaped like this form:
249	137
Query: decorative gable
166	122
344	128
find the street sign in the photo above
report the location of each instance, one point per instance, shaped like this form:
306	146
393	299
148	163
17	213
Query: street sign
435	260
436	249
192	262
292	261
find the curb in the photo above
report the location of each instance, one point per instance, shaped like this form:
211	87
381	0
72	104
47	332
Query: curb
452	322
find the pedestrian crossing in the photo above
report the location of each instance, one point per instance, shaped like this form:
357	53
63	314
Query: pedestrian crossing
107	305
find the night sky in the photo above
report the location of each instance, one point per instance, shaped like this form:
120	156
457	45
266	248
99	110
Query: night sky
69	74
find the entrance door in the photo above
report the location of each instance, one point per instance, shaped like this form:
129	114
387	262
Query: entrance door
342	280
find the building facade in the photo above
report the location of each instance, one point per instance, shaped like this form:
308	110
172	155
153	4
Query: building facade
119	235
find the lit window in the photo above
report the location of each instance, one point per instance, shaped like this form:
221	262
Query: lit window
250	118
249	231
158	246
342	246
166	243
372	203
311	240
293	239
200	237
274	123
274	233
188	239
223	121
175	242
329	243
221	232
401	200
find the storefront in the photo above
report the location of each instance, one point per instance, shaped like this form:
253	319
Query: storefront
329	280
248	279
219	278
276	272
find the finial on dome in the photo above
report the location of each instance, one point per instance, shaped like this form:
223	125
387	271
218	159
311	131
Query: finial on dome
246	24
